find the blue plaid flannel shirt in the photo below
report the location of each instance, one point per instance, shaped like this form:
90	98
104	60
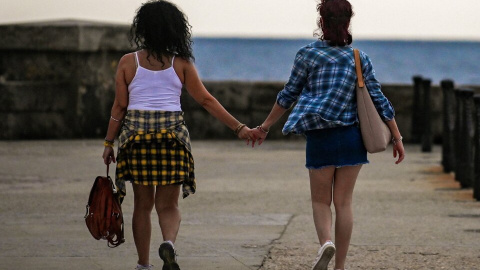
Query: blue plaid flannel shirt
322	83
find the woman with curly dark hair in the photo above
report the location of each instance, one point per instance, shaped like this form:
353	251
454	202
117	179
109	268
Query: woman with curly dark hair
154	151
322	84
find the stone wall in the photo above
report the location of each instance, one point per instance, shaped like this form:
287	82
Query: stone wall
251	102
57	82
57	78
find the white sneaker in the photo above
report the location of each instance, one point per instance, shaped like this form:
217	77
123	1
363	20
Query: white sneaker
143	267
324	256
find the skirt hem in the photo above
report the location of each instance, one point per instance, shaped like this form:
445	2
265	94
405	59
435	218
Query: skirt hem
336	166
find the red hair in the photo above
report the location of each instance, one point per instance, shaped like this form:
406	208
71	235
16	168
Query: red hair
334	21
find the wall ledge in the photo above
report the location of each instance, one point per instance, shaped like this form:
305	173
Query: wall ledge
65	35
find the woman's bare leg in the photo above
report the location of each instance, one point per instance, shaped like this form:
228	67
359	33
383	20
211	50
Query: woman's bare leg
321	181
344	183
141	222
166	204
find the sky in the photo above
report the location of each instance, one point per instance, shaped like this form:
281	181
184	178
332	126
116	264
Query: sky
374	19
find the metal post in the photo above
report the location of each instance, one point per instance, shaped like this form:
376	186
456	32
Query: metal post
468	135
417	110
457	136
476	184
448	154
427	121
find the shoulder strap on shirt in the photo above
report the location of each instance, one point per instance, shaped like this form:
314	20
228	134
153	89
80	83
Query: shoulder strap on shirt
136	60
358	68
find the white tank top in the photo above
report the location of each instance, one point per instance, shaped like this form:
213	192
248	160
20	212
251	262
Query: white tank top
154	90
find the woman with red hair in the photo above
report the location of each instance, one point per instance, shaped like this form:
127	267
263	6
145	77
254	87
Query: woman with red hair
322	84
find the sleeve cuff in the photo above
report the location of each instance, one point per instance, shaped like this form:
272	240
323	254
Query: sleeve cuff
389	112
282	102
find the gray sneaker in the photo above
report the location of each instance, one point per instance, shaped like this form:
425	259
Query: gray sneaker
324	256
168	255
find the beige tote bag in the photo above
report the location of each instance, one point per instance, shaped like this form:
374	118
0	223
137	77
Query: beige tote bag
375	133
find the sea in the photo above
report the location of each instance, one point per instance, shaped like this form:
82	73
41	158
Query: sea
395	62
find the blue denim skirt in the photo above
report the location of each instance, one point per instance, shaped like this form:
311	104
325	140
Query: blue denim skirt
340	146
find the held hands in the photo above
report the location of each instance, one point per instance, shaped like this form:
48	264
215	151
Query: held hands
257	134
246	134
253	135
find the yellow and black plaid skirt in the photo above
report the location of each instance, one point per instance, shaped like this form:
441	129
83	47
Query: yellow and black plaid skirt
156	157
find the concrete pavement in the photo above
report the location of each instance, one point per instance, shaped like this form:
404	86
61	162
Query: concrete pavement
251	211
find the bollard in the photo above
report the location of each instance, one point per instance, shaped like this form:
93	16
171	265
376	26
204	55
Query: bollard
448	155
476	184
417	110
459	163
468	134
426	122
464	138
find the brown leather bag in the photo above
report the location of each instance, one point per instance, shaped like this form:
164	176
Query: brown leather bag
104	216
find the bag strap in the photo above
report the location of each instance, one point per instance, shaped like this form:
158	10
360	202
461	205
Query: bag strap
358	68
108	169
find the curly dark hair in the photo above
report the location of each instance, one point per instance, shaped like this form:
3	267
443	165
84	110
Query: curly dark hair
334	21
162	29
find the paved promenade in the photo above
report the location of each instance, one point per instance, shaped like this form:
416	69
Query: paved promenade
251	211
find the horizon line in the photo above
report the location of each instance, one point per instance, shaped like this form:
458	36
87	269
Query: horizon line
363	38
264	35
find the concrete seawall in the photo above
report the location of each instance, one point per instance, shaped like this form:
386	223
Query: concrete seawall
57	78
57	82
35	110
251	102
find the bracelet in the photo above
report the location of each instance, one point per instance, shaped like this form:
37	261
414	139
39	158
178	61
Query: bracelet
239	127
395	141
108	143
114	119
262	129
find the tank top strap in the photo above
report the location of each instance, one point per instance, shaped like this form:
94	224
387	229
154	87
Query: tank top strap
173	58
136	60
